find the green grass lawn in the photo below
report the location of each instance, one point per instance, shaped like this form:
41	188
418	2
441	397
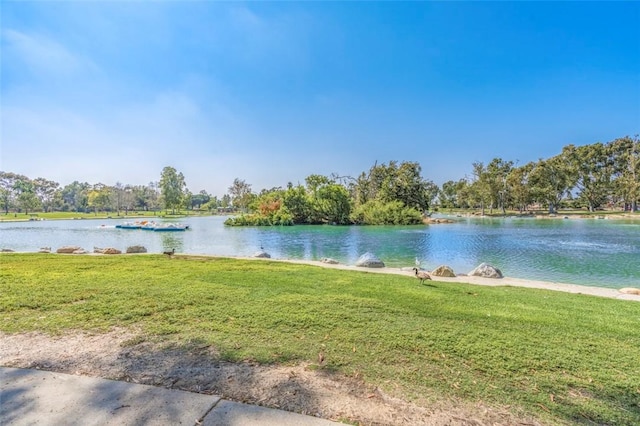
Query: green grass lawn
562	212
565	358
131	215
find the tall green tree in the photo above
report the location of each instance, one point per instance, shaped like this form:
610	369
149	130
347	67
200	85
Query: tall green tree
27	199
241	195
200	199
479	192
172	188
518	182
8	191
46	192
75	196
432	191
225	201
591	168
448	199
100	197
466	194
551	180
626	163
395	182
128	198
123	197
296	201
154	195
330	202
497	171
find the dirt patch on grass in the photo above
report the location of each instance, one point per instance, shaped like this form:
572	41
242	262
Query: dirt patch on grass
307	389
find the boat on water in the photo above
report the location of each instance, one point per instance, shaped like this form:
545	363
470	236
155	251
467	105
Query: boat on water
153	226
149	226
170	227
129	225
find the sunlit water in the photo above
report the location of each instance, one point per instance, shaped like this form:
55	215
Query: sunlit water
590	252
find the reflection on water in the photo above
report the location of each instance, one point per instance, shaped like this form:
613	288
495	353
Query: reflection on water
604	253
172	241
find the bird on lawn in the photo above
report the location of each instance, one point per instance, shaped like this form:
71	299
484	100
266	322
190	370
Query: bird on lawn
421	275
169	253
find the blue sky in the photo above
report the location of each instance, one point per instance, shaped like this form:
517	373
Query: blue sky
271	92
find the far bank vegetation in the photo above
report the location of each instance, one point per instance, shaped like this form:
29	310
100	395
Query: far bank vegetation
589	177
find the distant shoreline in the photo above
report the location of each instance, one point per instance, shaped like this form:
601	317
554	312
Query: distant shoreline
571	215
607	215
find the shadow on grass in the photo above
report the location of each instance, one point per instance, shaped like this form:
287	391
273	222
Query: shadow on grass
194	367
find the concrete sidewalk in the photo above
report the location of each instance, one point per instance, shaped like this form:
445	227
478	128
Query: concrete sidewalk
40	397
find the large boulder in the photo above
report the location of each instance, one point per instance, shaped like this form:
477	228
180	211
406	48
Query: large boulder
262	254
136	249
111	250
487	271
369	260
68	249
443	271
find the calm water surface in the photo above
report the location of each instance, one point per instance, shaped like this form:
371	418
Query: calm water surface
590	252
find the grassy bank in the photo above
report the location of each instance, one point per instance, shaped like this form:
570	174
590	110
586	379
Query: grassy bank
565	358
573	213
132	215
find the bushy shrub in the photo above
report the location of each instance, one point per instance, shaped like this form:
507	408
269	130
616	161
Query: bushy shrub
392	213
279	218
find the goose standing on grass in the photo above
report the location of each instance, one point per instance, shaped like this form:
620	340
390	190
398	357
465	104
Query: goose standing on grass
170	253
421	275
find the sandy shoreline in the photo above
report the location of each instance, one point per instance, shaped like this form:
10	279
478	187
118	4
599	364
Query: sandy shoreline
466	279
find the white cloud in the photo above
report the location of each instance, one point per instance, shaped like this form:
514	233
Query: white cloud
43	55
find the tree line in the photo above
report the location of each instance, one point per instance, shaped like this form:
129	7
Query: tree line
590	176
20	194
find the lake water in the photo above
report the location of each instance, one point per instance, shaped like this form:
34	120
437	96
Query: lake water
590	251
